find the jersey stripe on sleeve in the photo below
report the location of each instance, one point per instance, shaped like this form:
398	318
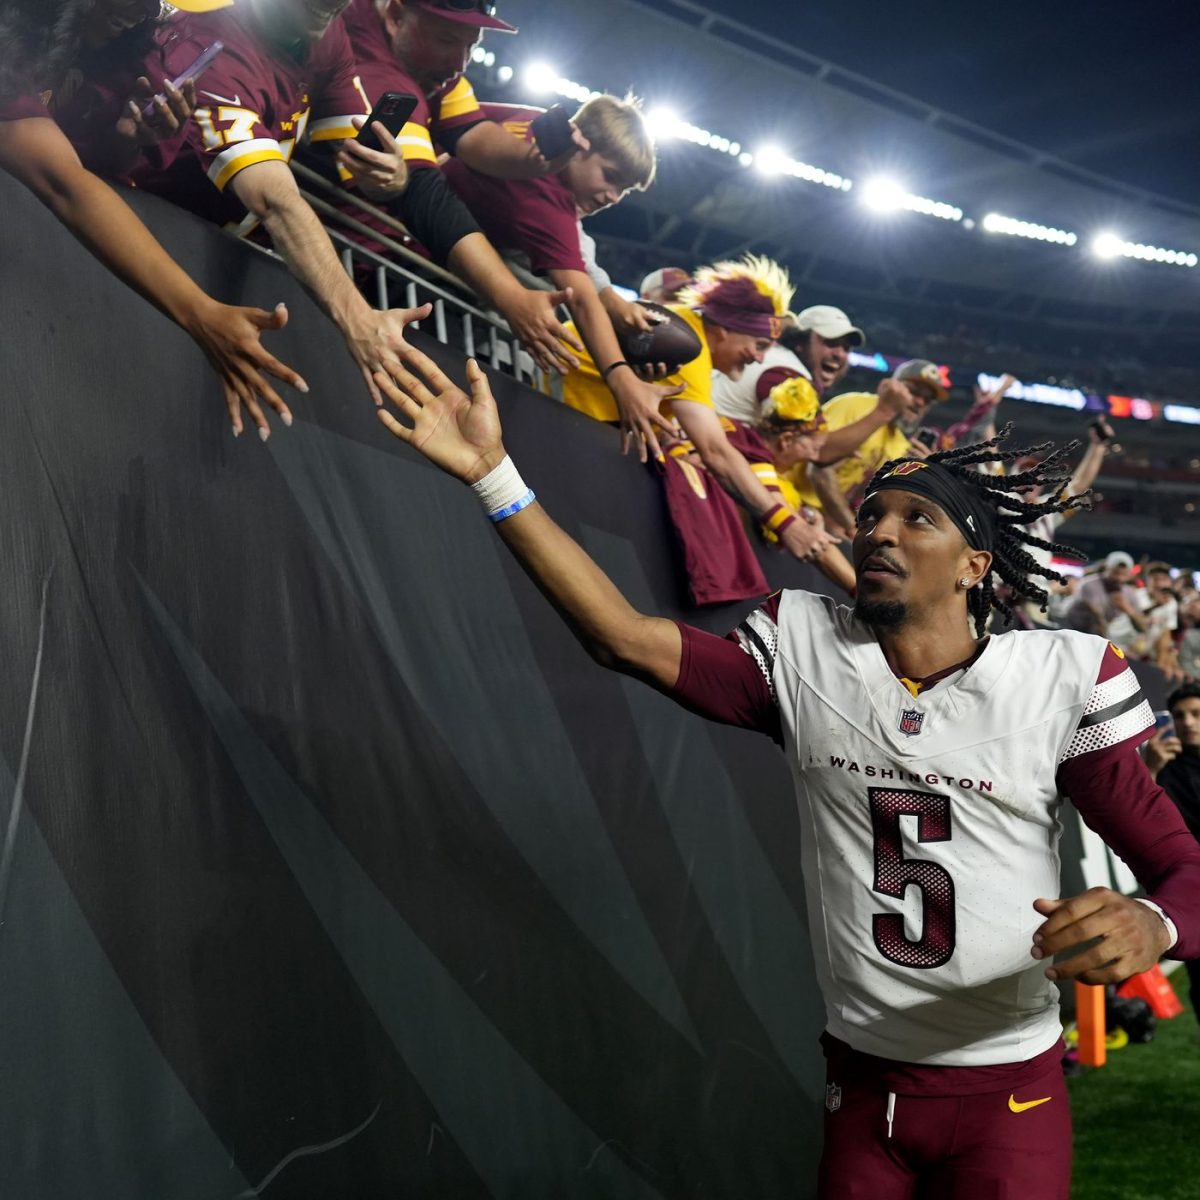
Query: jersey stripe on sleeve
758	636
242	155
1116	710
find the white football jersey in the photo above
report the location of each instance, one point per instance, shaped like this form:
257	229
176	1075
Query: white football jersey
930	825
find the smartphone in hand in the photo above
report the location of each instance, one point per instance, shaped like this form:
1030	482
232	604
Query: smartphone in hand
193	71
392	110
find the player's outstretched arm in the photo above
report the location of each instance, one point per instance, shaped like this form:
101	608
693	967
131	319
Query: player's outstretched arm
460	433
36	152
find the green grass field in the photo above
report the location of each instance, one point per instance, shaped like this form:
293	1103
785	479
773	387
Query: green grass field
1137	1120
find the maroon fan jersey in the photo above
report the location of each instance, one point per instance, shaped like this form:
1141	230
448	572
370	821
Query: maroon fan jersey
535	217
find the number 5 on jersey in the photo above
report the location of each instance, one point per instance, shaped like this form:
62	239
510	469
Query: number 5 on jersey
894	874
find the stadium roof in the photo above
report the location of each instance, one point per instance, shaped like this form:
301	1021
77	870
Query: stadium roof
760	93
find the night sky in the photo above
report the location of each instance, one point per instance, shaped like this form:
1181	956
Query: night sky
1112	87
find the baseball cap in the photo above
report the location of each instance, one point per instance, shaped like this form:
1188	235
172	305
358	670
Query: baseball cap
1118	558
480	13
669	279
829	322
926	372
200	6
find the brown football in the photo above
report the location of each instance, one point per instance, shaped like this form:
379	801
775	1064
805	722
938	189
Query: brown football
672	340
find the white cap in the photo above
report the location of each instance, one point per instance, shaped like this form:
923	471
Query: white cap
668	279
1118	558
828	322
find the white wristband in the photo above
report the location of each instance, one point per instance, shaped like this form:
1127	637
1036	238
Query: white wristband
502	491
1171	930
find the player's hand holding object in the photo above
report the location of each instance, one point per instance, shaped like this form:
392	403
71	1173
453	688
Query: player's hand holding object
1128	936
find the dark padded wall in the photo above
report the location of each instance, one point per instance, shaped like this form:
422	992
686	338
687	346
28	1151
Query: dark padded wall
336	868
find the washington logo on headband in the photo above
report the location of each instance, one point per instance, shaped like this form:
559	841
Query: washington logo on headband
906	468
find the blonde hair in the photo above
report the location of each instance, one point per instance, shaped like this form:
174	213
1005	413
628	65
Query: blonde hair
617	129
770	280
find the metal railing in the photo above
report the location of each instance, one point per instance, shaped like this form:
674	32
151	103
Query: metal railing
402	271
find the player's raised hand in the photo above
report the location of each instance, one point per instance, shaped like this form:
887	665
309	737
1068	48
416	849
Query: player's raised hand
456	430
231	339
1118	936
533	318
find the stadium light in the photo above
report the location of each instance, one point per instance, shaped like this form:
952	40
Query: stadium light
504	73
884	195
997	223
663	123
772	161
1111	245
540	78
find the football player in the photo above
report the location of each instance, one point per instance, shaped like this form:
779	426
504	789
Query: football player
41	40
930	765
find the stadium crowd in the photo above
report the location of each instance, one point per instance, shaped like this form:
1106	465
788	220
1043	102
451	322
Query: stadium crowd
206	102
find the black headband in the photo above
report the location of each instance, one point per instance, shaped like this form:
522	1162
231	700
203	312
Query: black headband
963	504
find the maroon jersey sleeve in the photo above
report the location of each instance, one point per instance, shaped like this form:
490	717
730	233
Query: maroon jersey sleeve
730	679
21	108
338	92
1108	783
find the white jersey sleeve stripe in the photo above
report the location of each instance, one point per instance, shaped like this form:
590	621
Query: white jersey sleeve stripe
758	636
1111	732
1111	691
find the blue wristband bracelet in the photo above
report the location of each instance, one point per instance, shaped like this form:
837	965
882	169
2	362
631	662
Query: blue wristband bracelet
511	510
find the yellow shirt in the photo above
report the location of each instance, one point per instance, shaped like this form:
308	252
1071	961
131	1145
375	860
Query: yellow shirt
851	472
585	390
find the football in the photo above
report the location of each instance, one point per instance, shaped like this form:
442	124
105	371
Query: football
671	341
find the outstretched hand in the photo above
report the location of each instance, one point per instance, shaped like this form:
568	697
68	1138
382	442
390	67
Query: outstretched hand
456	431
1123	937
230	337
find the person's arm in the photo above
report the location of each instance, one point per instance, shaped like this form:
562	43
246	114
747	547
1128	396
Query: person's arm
638	402
490	149
442	223
37	154
841	442
1091	462
833	503
1103	774
737	477
268	190
1159	751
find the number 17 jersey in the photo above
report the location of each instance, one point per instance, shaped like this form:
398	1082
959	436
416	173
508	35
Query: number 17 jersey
930	821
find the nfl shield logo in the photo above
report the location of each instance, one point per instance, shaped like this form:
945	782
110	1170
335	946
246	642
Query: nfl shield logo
911	720
833	1097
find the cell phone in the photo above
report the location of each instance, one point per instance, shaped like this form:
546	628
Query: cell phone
553	132
194	71
1164	723
392	110
1103	433
927	437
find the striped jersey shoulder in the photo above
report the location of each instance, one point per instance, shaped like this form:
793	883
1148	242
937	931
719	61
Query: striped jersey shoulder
758	636
1115	711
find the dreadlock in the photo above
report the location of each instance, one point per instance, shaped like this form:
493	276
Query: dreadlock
1011	561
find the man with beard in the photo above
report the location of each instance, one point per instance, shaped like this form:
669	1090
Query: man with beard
422	47
882	426
930	763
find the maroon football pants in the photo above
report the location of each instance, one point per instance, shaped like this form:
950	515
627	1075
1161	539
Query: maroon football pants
993	1146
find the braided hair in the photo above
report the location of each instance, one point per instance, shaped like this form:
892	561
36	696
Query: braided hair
1011	561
